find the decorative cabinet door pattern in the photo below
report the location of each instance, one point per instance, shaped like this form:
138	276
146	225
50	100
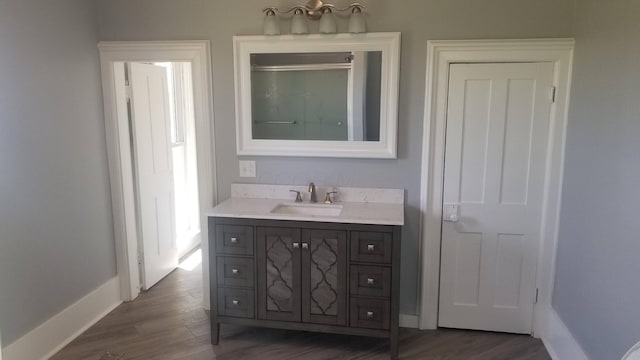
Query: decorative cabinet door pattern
278	273
324	276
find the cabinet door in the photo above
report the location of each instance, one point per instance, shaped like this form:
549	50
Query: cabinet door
278	260
324	276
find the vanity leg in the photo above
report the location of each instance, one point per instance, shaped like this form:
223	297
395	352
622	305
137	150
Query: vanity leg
215	333
393	344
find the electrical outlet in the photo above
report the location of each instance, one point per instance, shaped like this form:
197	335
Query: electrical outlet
247	168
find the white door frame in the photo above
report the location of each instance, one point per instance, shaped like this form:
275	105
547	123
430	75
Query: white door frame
119	149
440	54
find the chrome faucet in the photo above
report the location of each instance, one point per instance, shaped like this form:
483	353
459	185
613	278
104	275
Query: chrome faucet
312	190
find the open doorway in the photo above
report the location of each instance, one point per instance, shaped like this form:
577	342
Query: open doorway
158	118
159	103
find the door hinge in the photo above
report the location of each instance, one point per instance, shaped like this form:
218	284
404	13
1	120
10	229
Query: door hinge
537	292
553	94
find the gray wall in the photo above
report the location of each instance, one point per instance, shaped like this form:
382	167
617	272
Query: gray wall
56	241
597	289
418	20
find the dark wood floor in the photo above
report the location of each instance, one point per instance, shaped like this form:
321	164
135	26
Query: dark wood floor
168	322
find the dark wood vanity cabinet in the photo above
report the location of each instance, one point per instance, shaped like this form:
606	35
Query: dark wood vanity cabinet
326	277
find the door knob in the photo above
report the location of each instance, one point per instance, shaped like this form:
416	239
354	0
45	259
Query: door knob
369	314
235	271
234	240
305	245
296	245
370	281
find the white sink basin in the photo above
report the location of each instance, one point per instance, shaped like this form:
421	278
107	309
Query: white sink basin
307	209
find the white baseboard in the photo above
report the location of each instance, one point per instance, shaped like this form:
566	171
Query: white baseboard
55	333
559	341
409	321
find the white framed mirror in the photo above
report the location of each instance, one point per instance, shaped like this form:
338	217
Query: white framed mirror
317	95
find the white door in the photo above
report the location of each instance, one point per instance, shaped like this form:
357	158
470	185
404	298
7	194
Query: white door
495	160
153	162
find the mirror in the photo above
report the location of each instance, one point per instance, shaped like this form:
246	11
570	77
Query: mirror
317	95
331	96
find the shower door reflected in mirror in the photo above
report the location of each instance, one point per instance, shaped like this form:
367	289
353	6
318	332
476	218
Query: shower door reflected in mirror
316	96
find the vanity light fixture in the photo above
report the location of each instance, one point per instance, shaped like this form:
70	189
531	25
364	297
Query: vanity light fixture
299	22
328	21
271	24
356	21
314	10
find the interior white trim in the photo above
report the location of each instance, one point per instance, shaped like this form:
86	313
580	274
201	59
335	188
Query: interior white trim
55	333
559	341
440	54
119	153
409	321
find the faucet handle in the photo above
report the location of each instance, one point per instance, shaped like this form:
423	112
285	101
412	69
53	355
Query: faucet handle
298	196
327	198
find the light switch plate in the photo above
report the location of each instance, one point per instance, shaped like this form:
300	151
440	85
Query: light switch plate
247	168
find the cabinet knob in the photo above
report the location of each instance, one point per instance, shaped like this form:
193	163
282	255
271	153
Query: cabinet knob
370	247
296	245
305	245
370	281
369	314
235	302
234	240
235	271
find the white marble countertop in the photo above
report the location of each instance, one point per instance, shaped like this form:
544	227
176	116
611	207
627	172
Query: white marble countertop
258	201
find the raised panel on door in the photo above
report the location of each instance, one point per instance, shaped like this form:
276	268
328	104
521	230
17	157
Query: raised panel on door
278	258
324	276
495	159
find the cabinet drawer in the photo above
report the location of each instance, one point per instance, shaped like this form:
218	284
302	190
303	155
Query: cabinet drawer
235	271
373	247
234	240
370	280
370	313
235	302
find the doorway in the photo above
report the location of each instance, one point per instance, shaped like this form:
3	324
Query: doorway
159	102
159	126
448	217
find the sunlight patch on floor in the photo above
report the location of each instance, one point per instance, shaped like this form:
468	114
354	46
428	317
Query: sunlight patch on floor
192	261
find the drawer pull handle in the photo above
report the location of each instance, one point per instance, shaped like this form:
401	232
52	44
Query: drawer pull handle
235	302
370	248
235	271
369	314
234	240
370	281
296	245
305	245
